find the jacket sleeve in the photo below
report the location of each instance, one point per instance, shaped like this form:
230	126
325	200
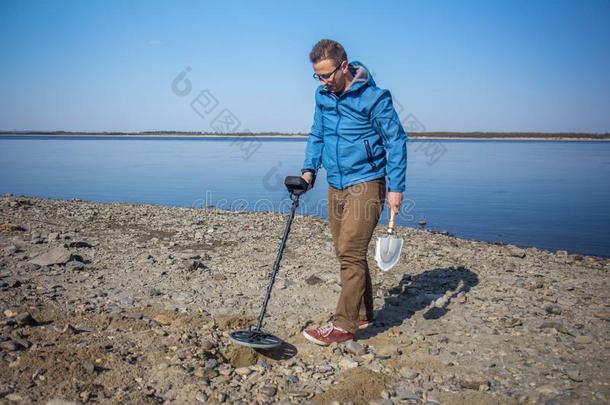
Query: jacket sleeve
386	122
315	143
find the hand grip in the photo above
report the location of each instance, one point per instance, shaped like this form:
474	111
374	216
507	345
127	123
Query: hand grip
391	222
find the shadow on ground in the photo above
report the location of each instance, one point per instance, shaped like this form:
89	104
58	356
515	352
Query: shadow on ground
416	293
283	352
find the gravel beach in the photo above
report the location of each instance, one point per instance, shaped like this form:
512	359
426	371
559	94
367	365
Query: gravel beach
120	303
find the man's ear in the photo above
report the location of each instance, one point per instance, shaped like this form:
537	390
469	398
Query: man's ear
345	66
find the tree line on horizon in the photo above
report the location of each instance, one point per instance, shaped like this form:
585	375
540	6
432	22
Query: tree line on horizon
428	134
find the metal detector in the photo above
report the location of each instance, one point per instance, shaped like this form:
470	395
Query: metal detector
257	337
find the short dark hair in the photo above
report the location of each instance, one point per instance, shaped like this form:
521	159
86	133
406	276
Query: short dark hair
327	49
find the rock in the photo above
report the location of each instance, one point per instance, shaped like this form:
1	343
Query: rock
11	228
163	319
210	364
548	390
160	331
132	315
574	375
381	402
207	344
269	390
60	402
201	397
80	244
385	352
510	322
69	329
553	309
195	265
58	255
388	393
516	252
314	280
347	364
88	366
432	398
14	398
75	265
25	319
355	348
555	325
408	373
243	371
583	340
605	315
9	313
473	382
11	346
404	394
299	394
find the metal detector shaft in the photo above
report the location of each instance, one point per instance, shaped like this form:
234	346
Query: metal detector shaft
276	266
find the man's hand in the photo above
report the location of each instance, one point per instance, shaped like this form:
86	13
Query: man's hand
308	177
394	201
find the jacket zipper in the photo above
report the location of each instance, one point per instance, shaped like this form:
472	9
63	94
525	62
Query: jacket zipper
369	154
337	145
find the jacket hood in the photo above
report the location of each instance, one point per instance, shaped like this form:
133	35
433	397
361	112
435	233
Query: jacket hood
362	77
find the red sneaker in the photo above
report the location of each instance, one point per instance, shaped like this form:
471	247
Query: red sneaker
364	323
328	334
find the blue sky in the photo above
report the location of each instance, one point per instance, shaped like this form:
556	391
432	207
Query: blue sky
455	66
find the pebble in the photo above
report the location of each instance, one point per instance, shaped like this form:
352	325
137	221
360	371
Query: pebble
387	393
408	373
9	313
300	394
11	346
583	340
381	402
406	394
58	255
347	364
354	347
25	319
605	315
269	390
243	371
384	353
517	252
553	309
473	382
574	375
548	390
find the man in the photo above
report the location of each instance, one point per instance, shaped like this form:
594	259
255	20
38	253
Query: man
357	137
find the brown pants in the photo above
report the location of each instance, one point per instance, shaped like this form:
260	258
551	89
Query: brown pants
353	214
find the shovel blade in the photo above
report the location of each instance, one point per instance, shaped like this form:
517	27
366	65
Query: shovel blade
387	252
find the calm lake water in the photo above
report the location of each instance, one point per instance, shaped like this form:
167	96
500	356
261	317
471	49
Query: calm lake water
549	194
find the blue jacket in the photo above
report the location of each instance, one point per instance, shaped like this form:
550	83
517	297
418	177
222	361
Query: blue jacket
357	136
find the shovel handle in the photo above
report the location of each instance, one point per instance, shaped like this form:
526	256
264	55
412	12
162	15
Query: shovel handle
391	222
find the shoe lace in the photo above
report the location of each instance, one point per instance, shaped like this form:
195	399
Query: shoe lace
326	330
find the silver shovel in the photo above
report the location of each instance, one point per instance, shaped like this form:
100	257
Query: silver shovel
388	248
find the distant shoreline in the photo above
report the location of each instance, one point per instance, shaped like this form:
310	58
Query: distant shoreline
441	136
